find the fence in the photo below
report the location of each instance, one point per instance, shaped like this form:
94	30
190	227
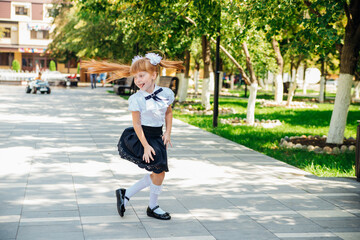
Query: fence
9	75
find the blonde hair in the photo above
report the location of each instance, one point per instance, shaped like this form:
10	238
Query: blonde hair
121	70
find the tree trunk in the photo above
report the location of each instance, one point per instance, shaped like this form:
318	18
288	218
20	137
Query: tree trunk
270	78
221	74
341	107
279	87
356	90
304	79
183	86
196	76
250	112
322	82
163	72
294	80
249	64
261	83
205	95
348	64
184	81
322	89
212	80
232	79
292	87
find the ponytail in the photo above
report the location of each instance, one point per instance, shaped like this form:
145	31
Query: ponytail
118	70
172	64
121	70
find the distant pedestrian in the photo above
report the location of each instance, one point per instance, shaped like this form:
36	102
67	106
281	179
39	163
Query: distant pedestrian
103	78
93	77
38	77
145	144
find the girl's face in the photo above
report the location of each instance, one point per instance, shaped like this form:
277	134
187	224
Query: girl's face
145	81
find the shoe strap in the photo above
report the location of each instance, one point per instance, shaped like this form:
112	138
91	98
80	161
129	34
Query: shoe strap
127	198
155	208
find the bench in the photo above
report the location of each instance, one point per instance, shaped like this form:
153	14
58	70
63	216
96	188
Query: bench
124	86
169	82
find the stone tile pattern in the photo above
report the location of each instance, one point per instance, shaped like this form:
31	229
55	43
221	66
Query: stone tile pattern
60	167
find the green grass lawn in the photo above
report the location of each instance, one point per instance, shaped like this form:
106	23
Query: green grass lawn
262	94
294	123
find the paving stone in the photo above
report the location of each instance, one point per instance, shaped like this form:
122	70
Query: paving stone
162	229
117	230
61	231
61	168
244	234
8	230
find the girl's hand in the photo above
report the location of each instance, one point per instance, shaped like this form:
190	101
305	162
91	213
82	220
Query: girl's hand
148	151
166	139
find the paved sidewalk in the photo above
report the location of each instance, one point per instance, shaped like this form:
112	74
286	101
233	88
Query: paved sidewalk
60	167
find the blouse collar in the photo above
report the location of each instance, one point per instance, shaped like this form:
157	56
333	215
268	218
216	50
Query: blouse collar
145	93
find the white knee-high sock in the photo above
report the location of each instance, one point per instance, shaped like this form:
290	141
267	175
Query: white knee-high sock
155	191
137	187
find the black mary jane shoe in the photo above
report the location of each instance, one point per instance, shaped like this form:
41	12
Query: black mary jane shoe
150	212
120	196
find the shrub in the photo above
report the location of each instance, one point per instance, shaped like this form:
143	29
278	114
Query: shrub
52	66
16	65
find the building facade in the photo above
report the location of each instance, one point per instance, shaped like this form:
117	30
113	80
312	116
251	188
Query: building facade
26	27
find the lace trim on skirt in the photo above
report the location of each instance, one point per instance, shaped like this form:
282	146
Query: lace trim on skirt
131	149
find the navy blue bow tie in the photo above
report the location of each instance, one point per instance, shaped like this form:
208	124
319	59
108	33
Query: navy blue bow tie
153	95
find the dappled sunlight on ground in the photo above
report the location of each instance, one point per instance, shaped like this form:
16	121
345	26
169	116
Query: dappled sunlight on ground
18	118
60	169
216	214
16	158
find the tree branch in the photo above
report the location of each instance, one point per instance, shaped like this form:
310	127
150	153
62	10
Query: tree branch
169	21
314	11
191	21
243	73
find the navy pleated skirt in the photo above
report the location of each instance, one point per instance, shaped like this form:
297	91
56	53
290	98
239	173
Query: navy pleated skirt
130	148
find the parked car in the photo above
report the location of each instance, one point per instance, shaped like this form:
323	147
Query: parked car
33	86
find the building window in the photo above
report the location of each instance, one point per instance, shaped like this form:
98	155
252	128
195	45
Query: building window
48	12
6	33
21	10
6	58
72	63
41	34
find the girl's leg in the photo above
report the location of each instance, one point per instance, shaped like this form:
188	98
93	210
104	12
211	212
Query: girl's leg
155	190
137	187
157	178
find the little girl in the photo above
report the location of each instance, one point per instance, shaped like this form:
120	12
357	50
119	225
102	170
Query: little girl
145	144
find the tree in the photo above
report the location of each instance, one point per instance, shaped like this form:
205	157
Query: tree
349	56
242	35
16	65
52	66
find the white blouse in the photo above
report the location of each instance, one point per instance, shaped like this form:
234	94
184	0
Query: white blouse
152	113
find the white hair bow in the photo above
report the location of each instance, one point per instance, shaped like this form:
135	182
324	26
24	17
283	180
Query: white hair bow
154	58
138	57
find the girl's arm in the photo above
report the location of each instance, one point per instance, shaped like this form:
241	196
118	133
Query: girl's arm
148	150
168	123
